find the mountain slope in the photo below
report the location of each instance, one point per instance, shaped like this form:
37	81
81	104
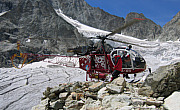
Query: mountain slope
96	17
146	29
38	20
84	13
171	30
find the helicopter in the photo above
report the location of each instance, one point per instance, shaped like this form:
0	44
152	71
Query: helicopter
97	61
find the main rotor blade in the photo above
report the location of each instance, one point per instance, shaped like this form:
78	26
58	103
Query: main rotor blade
51	38
140	45
135	20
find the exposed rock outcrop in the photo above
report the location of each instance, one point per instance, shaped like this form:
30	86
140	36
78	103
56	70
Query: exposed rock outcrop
164	81
146	29
6	5
37	19
171	30
84	13
98	18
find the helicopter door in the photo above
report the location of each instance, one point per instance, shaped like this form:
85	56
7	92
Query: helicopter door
138	60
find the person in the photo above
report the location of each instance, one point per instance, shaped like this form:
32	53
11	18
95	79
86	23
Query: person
117	68
126	62
93	62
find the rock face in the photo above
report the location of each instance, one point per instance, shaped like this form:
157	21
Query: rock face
84	13
96	17
145	29
37	20
165	80
171	30
6	5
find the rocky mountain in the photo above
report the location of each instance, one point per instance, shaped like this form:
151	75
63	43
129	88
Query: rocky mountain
96	17
36	19
84	13
171	30
146	29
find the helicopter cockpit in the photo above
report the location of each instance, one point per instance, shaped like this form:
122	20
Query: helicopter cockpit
130	58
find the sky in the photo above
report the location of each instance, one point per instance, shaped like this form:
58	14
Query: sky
160	11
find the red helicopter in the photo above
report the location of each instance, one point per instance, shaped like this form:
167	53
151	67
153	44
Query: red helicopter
98	61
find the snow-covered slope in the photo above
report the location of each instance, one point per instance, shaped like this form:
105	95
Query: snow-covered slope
20	89
88	31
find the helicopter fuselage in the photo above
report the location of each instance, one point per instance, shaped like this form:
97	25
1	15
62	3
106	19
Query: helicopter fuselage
100	65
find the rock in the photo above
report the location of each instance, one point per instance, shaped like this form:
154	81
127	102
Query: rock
45	101
91	105
57	105
172	102
147	29
97	86
37	19
137	102
63	96
126	108
42	105
114	88
52	96
61	89
171	30
164	81
154	102
39	107
145	91
84	13
120	81
160	99
75	96
46	93
116	101
73	105
55	90
102	92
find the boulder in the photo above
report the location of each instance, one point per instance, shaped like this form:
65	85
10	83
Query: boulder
164	81
145	91
102	92
91	104
73	105
63	96
55	90
114	89
120	81
57	105
97	86
39	107
116	101
137	102
154	102
172	102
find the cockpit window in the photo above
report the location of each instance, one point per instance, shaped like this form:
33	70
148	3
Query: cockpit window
137	59
125	56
